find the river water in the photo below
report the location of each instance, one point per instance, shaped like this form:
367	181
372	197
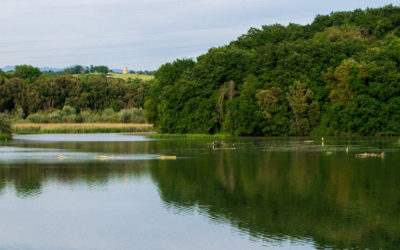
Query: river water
110	191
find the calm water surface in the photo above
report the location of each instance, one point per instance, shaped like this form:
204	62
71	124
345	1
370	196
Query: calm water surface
275	193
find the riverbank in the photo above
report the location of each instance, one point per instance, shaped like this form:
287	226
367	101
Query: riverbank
79	128
4	137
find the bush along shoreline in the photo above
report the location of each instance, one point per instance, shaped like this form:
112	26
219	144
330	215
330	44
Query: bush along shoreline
69	114
68	120
5	130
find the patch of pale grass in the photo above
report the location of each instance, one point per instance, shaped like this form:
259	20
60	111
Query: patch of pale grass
83	125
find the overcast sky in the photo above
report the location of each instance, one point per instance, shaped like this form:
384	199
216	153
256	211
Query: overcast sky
140	34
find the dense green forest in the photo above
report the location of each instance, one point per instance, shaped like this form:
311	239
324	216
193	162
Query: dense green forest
28	93
339	75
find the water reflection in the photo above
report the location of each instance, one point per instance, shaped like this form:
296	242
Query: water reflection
270	189
29	179
338	201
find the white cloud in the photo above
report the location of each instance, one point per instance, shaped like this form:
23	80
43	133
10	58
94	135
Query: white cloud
141	34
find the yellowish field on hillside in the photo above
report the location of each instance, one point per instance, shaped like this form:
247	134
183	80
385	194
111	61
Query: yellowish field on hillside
132	76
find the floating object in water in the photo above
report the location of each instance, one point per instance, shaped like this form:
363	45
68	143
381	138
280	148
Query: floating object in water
367	155
61	157
308	141
103	157
217	145
166	157
37	157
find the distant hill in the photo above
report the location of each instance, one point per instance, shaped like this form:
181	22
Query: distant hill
8	68
54	69
51	69
117	71
11	68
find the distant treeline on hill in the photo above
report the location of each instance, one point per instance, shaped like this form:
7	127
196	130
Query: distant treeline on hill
27	91
339	75
76	70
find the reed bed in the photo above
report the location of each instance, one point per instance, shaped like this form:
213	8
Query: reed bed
79	128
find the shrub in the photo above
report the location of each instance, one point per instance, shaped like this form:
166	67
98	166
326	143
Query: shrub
69	115
38	118
5	130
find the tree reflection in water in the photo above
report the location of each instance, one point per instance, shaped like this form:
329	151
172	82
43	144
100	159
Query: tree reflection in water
337	200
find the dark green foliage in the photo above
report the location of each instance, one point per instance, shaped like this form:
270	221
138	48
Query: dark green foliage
27	72
348	64
69	115
87	92
78	69
98	69
5	130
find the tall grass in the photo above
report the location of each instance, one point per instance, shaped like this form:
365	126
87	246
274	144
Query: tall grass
79	128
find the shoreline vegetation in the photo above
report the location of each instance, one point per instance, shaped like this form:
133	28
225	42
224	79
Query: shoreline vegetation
79	128
5	130
337	76
69	114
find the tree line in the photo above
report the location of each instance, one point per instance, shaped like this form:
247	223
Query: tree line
339	75
27	91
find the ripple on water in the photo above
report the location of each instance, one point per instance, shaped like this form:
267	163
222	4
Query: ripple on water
41	155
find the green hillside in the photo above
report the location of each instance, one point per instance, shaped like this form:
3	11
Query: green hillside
338	75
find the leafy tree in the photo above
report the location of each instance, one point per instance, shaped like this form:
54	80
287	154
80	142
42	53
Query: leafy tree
101	69
77	69
267	98
305	109
27	72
